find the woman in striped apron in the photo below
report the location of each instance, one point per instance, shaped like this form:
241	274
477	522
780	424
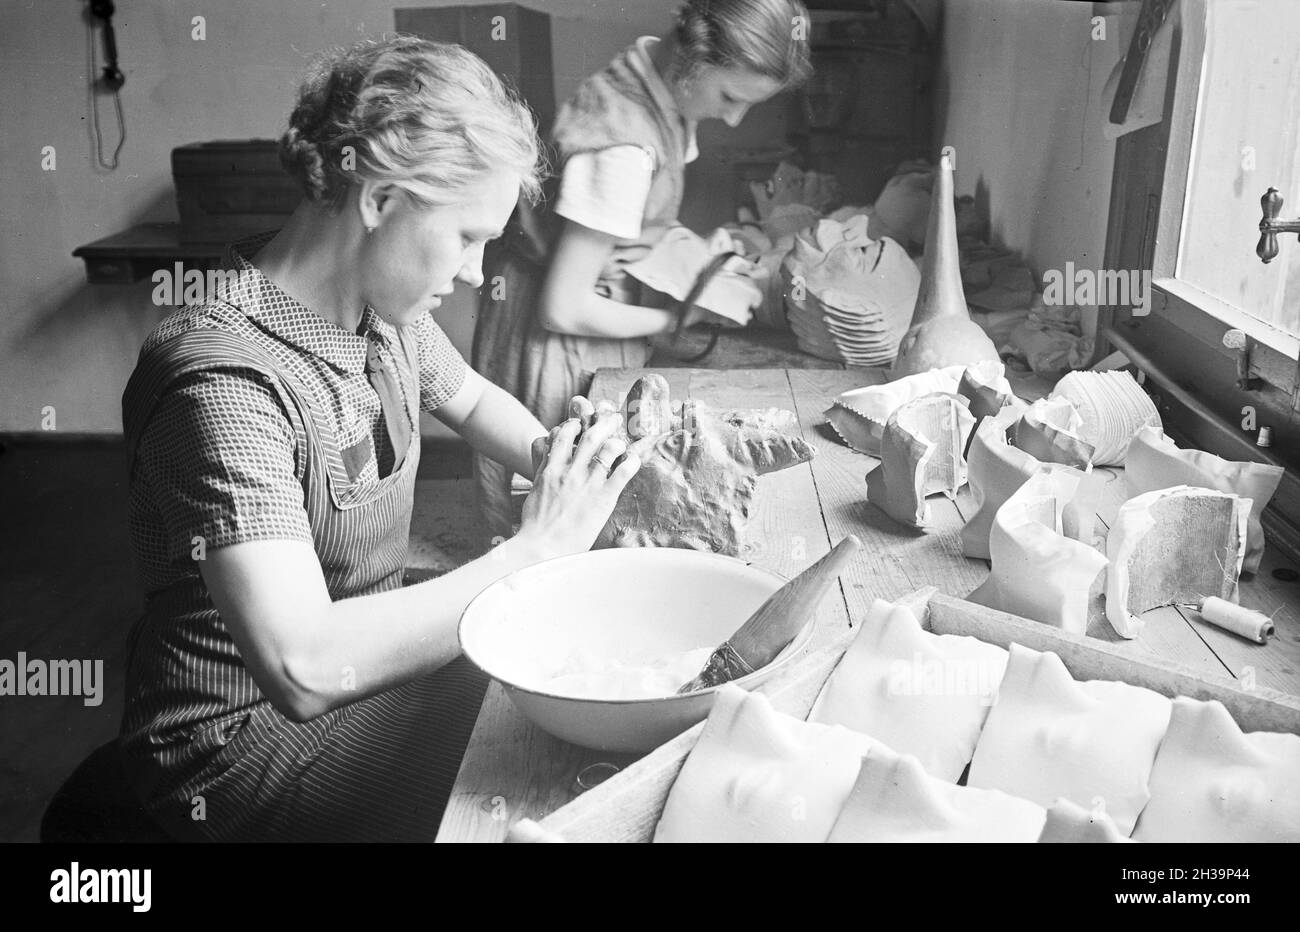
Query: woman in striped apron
558	304
282	684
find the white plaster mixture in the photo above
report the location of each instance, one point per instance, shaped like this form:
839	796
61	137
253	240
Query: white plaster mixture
585	675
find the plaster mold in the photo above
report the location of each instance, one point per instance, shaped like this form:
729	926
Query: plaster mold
756	775
1038	572
1173	546
1212	782
895	800
1048	737
1113	408
1155	462
921	454
922	694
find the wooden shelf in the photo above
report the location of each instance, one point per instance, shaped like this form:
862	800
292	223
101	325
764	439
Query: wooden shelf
136	253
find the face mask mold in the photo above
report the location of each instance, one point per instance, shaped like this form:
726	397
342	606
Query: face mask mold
1038	572
921	454
1173	546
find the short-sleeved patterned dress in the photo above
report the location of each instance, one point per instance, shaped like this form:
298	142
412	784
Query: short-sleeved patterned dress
253	418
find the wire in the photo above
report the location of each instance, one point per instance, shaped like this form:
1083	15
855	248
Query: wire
99	138
94	109
716	264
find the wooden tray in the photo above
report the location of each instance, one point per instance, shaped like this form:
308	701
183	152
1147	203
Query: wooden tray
626	808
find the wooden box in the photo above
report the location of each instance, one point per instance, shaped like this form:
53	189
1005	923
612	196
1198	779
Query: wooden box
230	189
627	807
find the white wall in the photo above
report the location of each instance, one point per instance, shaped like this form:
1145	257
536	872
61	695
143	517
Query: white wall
1019	96
71	345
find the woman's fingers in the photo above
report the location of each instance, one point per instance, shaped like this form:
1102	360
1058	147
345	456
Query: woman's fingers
601	430
539	448
561	450
582	409
641	448
605	406
622	473
583	471
573	447
606	458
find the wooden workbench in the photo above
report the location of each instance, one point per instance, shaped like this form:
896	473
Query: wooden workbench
761	348
513	770
741	348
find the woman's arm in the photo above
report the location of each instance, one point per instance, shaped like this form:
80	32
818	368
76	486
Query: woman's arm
493	422
309	654
568	302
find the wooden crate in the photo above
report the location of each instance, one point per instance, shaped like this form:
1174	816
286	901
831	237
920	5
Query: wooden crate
626	808
229	189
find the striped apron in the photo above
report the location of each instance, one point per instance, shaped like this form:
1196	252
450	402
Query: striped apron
208	754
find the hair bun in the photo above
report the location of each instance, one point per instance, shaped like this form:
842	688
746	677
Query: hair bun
301	158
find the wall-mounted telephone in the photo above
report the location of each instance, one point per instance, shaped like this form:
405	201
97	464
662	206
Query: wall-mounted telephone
113	77
111	80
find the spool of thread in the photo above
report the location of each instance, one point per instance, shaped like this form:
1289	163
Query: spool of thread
1236	618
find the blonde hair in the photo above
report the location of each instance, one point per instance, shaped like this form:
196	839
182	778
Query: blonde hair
429	117
760	35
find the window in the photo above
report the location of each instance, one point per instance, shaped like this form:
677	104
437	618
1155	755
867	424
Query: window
1245	139
1185	204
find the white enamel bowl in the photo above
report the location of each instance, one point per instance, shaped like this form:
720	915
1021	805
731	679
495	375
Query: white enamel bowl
617	603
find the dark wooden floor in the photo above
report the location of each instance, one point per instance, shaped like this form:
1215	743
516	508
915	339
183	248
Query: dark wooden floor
68	591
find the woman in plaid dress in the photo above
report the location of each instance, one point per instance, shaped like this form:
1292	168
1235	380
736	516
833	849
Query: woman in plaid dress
282	684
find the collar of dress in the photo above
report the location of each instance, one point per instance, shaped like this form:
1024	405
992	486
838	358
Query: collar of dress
275	311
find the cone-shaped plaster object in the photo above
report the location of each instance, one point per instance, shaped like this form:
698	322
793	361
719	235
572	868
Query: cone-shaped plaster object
942	333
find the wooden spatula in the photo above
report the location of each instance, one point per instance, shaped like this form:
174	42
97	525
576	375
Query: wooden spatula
757	642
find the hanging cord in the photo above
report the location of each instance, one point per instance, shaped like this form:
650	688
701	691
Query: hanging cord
713	268
94	107
99	139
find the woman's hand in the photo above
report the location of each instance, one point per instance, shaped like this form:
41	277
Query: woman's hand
583	467
569	303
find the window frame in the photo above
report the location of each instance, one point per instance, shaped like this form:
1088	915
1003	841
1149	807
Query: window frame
1200	314
1191	373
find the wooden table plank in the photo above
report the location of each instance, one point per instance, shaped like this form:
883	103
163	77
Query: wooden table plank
786	532
1276	664
744	348
612	384
512	770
